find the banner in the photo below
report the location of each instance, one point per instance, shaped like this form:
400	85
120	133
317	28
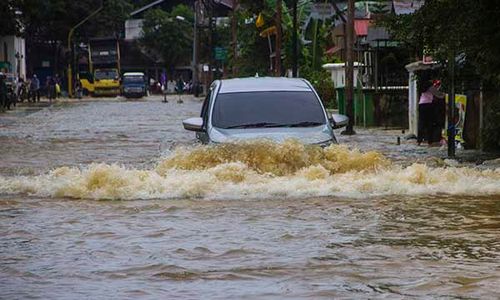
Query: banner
460	109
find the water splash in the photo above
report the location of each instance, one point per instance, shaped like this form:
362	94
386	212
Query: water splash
258	169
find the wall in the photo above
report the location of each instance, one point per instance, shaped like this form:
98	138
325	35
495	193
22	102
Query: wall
14	45
133	29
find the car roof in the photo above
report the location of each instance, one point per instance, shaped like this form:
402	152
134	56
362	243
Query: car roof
263	84
133	74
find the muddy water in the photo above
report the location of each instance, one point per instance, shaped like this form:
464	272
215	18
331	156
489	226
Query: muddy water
118	202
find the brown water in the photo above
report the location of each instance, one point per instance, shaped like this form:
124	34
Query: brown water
254	221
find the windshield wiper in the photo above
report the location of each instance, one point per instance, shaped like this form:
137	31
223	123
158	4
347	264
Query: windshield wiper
303	124
268	124
255	125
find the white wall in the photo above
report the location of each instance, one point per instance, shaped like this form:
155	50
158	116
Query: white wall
412	104
133	29
14	45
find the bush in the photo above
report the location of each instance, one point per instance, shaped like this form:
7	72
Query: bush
321	81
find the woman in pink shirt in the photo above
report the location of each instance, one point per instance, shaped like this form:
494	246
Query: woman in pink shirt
426	111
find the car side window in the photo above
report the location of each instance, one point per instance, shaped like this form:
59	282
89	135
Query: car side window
204	108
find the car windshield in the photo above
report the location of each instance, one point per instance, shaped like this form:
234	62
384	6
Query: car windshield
133	79
106	74
267	109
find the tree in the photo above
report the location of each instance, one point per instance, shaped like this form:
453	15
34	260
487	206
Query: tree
10	15
110	21
452	29
168	37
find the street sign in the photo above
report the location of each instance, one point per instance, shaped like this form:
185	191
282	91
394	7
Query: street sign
322	11
220	53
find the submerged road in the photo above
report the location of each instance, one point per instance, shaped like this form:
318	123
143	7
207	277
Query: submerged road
321	226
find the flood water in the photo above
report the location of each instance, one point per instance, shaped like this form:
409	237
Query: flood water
113	199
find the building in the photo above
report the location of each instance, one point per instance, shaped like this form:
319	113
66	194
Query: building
13	55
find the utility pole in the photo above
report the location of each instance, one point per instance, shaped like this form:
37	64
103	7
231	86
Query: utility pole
451	108
195	50
70	35
349	72
277	52
294	40
235	37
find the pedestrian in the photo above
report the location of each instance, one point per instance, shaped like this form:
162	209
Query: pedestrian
439	109
57	86
427	113
78	89
19	88
180	89
152	85
3	92
51	88
35	88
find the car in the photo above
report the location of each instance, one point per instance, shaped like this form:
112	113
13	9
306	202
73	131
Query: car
274	108
133	85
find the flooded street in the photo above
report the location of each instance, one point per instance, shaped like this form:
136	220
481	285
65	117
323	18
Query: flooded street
114	199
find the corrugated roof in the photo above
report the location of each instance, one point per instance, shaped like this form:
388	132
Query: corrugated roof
377	34
228	3
404	7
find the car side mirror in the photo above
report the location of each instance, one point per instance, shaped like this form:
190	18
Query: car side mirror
193	124
339	121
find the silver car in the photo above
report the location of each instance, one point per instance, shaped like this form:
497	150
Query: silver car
264	108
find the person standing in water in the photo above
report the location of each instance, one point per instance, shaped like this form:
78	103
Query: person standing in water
428	122
35	88
439	110
180	89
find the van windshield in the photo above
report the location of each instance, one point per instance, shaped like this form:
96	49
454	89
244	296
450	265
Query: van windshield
267	109
133	79
106	74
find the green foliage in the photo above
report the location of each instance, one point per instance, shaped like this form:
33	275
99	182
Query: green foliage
111	19
167	37
253	50
51	20
322	82
380	7
444	27
8	20
447	28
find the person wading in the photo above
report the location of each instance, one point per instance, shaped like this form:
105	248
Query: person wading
3	92
427	123
180	89
35	89
439	110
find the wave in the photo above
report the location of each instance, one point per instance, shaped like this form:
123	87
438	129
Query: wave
256	170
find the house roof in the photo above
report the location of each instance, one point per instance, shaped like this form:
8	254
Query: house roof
377	34
404	7
228	3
